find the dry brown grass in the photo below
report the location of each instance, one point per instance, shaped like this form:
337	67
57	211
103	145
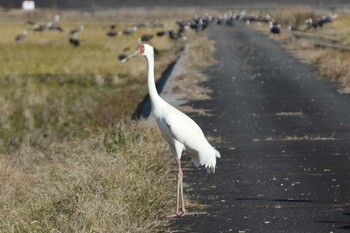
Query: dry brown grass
331	63
116	181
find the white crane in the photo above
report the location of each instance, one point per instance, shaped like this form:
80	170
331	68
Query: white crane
180	131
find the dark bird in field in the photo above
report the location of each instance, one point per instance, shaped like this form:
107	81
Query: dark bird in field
173	35
157	23
140	25
199	24
146	37
230	21
161	33
73	40
130	30
183	23
319	23
179	35
39	27
112	33
22	36
329	18
314	23
31	22
55	25
122	57
275	28
292	28
77	30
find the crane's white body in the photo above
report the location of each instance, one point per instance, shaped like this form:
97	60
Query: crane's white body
179	130
182	132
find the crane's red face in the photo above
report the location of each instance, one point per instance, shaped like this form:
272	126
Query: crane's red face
138	52
142	49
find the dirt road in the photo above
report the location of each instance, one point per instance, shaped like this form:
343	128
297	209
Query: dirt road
285	147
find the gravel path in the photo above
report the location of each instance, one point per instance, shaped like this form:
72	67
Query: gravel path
285	147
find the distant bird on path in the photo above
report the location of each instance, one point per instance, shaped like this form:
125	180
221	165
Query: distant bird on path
275	28
179	130
314	23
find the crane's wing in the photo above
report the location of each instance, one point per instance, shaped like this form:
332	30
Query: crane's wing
184	129
177	127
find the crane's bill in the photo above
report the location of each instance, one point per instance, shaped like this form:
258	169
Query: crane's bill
134	54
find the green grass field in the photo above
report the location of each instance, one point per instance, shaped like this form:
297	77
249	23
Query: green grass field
50	88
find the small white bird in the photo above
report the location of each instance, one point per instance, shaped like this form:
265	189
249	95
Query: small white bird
180	131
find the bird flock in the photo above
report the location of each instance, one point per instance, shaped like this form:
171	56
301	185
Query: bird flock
326	19
196	24
54	25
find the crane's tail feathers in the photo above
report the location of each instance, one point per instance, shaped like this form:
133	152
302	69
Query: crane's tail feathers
217	153
206	158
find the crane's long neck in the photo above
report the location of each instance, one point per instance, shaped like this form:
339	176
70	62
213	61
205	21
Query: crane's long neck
155	98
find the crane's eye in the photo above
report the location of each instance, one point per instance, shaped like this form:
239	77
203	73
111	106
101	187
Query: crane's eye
142	49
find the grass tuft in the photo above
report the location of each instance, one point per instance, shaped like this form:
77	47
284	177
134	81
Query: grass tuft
116	181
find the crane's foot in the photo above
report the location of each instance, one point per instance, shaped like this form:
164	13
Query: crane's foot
184	211
173	216
178	214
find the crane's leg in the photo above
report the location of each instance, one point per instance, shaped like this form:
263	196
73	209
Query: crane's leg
178	195
184	211
180	189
